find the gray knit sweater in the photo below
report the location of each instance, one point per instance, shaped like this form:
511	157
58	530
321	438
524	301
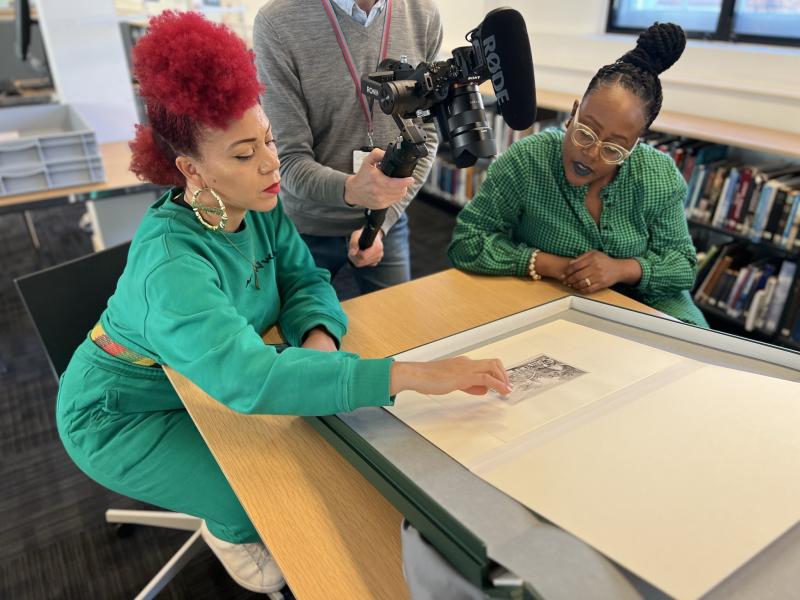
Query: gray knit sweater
311	101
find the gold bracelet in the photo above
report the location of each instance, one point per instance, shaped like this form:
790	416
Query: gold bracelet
532	266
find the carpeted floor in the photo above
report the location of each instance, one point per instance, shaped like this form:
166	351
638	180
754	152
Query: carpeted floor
54	542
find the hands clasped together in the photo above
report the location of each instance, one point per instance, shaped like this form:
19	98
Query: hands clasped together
590	272
593	271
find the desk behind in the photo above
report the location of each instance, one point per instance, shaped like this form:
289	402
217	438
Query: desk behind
116	162
330	530
112	222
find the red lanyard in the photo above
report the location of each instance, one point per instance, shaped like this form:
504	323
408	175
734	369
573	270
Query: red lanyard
348	58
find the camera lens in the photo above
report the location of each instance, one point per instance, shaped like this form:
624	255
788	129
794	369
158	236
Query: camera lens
464	119
397	97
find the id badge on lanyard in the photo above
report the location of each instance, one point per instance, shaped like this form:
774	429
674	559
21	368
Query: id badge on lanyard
359	156
360	153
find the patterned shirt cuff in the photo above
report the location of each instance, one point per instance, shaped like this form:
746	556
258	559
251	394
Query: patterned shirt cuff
647	275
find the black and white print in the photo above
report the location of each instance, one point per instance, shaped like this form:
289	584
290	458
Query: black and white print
536	375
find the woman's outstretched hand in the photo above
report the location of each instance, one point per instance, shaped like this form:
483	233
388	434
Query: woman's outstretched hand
450	374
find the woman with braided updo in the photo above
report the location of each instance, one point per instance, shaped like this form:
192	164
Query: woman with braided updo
213	264
591	206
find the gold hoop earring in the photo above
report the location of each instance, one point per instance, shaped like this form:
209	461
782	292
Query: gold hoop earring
220	212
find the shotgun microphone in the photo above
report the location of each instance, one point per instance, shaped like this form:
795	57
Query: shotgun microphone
506	56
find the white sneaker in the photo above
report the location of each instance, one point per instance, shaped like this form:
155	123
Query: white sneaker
249	565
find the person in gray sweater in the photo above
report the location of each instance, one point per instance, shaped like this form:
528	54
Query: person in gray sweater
308	54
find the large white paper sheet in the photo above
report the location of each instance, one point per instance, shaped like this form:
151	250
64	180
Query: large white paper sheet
678	470
467	426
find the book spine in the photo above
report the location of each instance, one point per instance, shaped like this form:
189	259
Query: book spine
722	201
695	191
704	291
738	286
737	212
762	211
776	210
752	205
791	312
791	203
794	227
751	318
723	288
779	297
760	312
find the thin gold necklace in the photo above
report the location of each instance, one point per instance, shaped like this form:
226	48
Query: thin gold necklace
252	261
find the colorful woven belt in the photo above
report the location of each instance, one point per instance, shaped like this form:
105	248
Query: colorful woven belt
100	337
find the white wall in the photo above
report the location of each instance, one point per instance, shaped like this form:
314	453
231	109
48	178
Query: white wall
87	60
745	83
458	17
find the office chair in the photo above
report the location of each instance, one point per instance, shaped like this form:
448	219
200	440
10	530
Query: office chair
64	303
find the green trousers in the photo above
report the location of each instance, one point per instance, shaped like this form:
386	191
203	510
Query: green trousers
126	428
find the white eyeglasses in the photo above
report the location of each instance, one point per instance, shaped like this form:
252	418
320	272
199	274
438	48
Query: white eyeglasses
610	153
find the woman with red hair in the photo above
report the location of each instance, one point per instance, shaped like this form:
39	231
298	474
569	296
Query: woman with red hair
213	263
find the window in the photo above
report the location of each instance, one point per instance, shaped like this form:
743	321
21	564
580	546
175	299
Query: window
762	21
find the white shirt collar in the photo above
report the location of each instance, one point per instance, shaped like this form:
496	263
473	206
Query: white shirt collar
352	8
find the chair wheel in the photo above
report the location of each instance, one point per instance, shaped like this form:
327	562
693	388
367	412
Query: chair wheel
124	530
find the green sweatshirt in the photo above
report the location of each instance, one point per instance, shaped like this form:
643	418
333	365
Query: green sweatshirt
188	299
526	202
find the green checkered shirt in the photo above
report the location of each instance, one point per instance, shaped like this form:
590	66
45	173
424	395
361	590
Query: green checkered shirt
526	202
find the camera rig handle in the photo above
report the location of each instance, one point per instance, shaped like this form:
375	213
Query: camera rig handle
400	160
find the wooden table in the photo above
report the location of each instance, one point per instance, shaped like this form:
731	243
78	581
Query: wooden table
332	533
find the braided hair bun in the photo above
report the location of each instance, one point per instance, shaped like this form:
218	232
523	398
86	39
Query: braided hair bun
658	48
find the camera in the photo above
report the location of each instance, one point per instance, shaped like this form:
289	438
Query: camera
447	91
442	90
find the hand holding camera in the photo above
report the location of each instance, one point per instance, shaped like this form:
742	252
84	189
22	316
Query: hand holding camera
372	189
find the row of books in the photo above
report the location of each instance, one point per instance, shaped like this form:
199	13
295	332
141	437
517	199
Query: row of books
761	202
456	185
763	295
504	136
688	154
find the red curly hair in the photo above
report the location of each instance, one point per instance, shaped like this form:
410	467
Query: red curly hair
192	74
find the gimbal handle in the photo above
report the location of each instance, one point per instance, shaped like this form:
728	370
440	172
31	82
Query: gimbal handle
400	160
